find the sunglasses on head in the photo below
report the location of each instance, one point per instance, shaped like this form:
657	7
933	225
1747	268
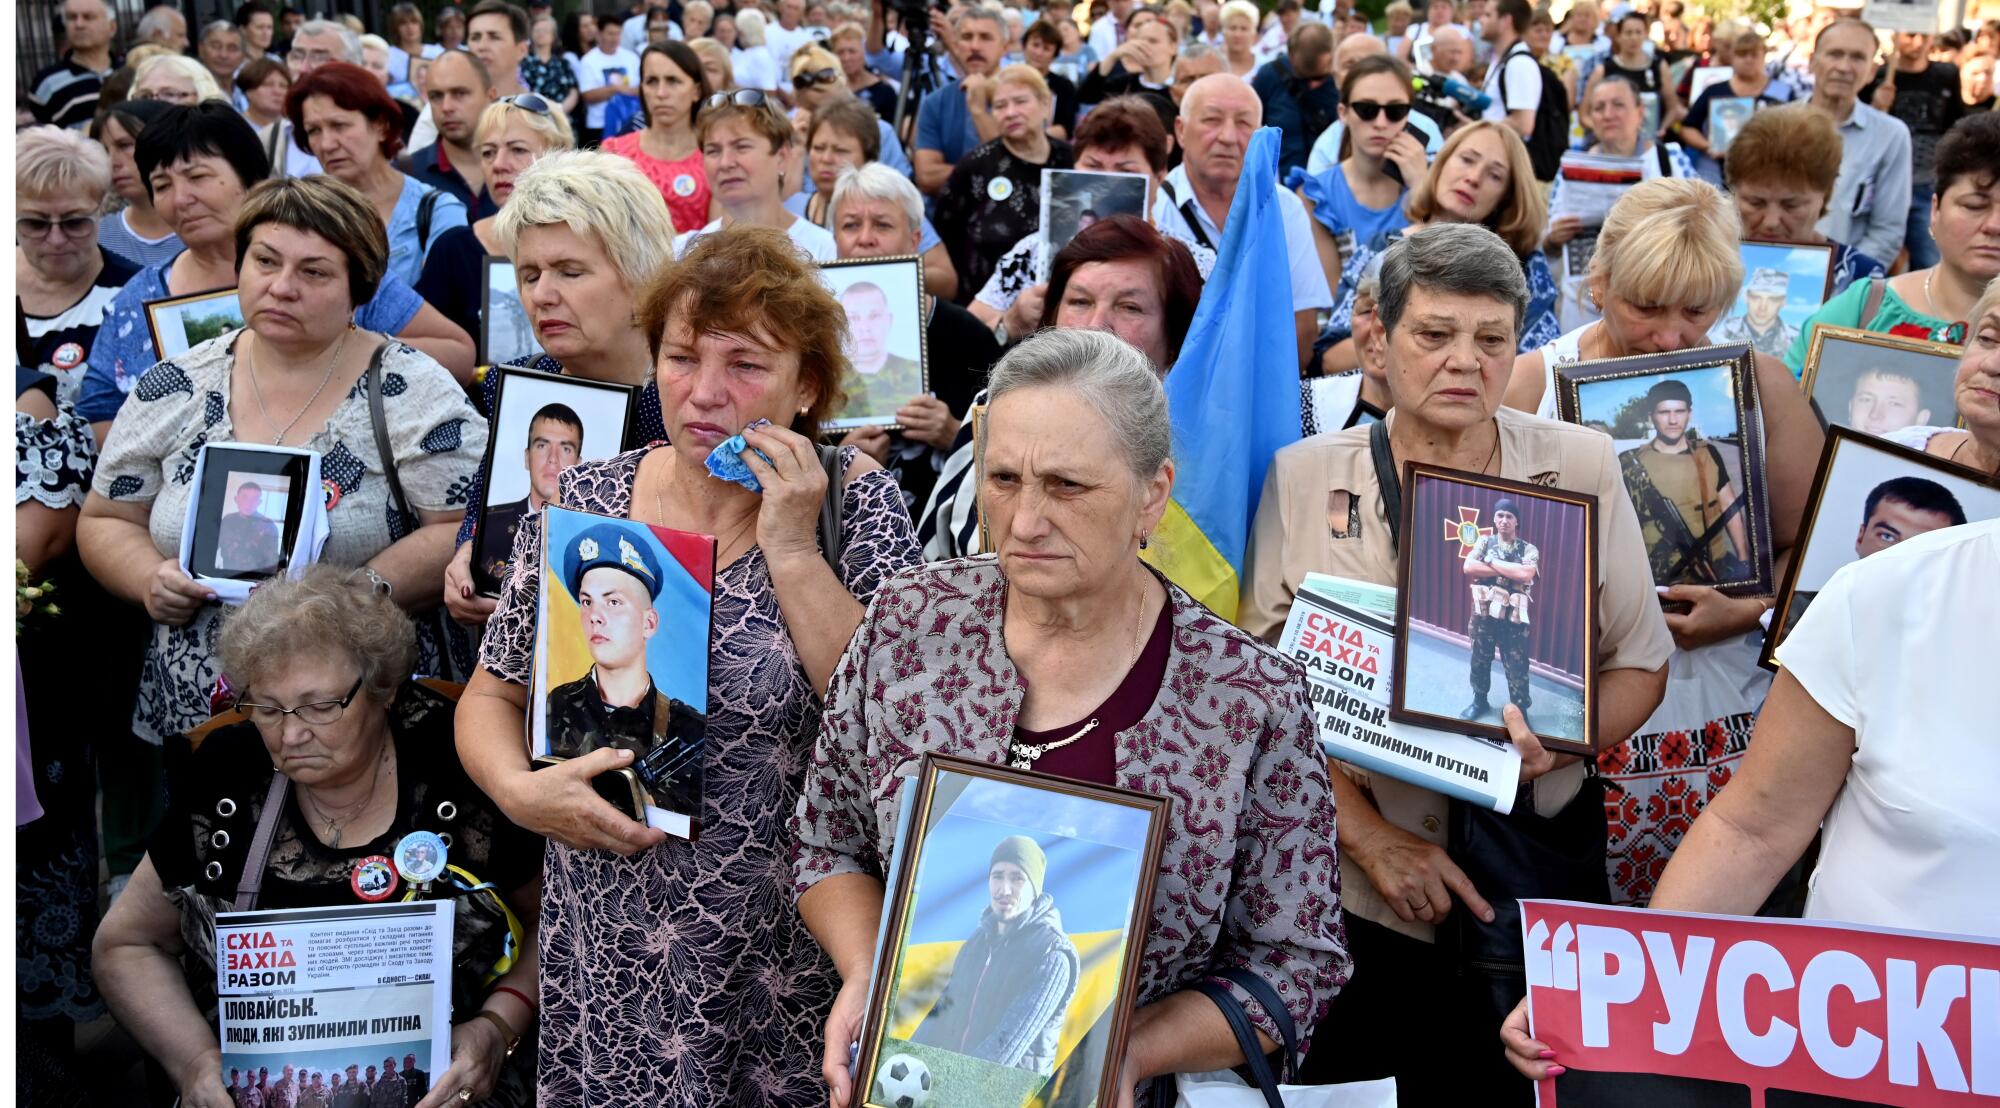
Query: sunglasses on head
742	98
1369	109
528	102
816	77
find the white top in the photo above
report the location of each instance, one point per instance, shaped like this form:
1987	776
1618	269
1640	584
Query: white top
1104	36
1524	84
753	68
1894	647
1309	287
598	69
808	236
782	44
1564	349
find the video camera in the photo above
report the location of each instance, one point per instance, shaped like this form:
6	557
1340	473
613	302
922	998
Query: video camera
1446	93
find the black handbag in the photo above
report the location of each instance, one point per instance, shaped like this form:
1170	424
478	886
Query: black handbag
1256	1063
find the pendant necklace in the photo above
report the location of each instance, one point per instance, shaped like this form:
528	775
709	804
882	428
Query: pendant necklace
257	391
1024	755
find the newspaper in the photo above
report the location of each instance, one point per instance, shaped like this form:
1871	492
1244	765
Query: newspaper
322	989
1343	632
1591	183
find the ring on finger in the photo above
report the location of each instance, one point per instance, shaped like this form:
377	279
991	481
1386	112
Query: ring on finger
465	1094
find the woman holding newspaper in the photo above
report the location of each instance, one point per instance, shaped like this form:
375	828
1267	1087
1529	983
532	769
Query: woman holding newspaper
321	667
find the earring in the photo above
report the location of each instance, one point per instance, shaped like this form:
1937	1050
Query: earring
1144	541
804	410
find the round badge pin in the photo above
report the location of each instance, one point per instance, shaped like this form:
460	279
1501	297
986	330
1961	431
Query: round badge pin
684	184
67	356
999	189
373	878
420	857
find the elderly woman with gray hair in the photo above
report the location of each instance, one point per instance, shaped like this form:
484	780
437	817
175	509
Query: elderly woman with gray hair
1074	638
1450	308
337	755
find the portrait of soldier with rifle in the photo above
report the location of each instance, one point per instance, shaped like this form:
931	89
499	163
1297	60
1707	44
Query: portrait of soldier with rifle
1690	513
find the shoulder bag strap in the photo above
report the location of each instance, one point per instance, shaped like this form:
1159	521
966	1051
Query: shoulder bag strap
425	207
1274	1006
832	508
1666	165
1387	477
1246	1040
260	843
386	451
1872	304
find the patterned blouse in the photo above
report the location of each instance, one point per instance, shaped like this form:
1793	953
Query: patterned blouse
1249	877
553	79
179	405
683	977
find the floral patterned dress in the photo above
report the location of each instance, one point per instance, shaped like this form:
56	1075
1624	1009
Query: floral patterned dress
683	976
183	404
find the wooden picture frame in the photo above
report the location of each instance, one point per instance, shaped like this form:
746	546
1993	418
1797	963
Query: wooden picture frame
1563	637
1932	369
998	804
1842	471
1697	371
900	279
532	386
492	269
168	319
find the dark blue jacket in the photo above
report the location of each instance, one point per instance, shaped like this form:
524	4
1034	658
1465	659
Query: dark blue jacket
1300	112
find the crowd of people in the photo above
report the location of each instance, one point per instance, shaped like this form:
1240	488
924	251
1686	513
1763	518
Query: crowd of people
663	182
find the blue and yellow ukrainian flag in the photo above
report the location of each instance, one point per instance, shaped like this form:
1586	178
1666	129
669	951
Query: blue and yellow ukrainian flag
1234	394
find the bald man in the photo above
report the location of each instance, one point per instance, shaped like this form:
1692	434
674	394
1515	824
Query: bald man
1451	53
1218	116
166	26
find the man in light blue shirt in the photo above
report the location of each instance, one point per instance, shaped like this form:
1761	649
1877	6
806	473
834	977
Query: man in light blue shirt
956	119
1870	206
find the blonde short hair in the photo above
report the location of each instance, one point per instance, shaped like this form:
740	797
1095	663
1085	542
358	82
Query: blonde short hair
1026	76
1399	7
1520	217
1988	300
603	196
552	126
847	30
1671	241
810	57
52	163
709	50
1239	9
749	28
375	42
179	65
329	607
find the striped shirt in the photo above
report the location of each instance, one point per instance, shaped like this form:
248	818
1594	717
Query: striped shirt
66	93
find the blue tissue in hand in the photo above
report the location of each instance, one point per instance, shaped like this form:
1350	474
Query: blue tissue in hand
726	460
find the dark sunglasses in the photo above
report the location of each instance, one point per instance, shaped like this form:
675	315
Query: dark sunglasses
35	227
1369	109
816	77
528	102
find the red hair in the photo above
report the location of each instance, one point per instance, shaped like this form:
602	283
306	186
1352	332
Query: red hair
1124	238
353	89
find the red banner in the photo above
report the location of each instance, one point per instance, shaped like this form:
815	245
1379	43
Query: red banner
1695	1011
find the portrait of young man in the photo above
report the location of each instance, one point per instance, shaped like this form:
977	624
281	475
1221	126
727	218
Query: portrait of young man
1897	509
1885	401
1689	516
248	541
616	580
1760	325
1502	569
882	381
555	443
1012	982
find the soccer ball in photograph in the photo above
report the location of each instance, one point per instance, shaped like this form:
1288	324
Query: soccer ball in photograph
904	1081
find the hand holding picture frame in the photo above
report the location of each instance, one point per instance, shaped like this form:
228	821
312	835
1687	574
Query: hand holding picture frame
1069	864
257	513
555	421
181	323
1868	495
1879	384
622	632
1514	572
1689	432
888	350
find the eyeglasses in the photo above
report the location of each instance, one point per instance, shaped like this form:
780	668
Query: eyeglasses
313	57
1369	109
528	102
816	77
74	226
320	712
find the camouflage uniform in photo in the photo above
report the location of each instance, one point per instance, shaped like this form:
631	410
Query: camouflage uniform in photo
1676	497
1500	619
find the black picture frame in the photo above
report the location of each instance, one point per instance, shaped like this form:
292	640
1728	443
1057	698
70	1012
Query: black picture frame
221	463
1739	361
1419	545
942	780
485	582
1842	445
901	279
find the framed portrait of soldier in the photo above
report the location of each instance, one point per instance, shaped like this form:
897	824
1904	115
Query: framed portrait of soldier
1783	284
1489	569
1013	927
1879	384
543	423
1869	495
622	629
1689	436
181	323
1073	199
506	334
257	513
888	364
